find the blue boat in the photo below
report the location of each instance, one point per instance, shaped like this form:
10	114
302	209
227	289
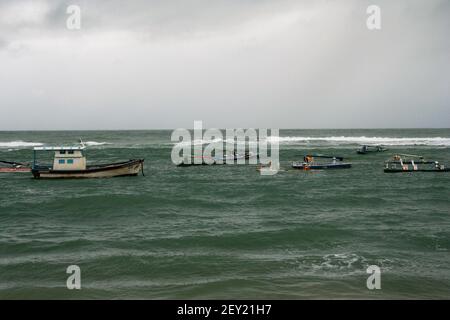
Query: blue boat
310	162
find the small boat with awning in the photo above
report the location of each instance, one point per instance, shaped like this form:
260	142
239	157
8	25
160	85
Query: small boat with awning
70	162
316	162
413	163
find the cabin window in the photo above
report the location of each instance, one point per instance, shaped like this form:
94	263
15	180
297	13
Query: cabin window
69	161
70	152
61	161
62	152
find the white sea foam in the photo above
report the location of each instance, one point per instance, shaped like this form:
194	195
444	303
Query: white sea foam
95	143
343	140
25	144
202	142
388	141
19	144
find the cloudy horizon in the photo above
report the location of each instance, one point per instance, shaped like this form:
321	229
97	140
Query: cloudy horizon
276	64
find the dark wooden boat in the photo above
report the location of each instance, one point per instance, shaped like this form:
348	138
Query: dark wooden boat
413	163
12	167
204	160
365	149
70	162
310	163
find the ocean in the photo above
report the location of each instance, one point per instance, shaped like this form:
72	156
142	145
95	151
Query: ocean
226	232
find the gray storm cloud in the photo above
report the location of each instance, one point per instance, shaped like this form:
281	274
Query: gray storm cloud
278	64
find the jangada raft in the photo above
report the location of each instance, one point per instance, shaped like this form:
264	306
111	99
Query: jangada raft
70	162
311	162
413	163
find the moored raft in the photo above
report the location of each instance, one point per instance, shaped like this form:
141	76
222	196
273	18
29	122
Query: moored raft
413	163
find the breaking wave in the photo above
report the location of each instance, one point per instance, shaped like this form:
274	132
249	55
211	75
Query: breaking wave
25	144
95	143
388	141
202	142
19	144
341	140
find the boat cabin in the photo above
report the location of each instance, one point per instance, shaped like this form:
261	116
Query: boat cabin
65	159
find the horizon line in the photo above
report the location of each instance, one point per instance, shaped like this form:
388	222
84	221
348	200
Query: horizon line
171	129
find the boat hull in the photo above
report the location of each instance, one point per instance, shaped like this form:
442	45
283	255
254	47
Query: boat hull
14	170
418	170
128	168
370	151
183	164
217	161
302	166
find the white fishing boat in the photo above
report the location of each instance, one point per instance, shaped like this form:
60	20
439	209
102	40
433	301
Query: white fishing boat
70	162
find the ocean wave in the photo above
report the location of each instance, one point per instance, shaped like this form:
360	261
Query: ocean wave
198	142
336	140
95	143
388	141
25	144
19	144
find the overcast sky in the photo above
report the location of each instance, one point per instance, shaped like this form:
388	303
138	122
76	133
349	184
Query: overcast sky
231	63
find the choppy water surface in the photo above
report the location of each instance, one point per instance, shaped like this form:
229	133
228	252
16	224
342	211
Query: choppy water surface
226	231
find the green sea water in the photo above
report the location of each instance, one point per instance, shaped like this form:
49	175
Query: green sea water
226	231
